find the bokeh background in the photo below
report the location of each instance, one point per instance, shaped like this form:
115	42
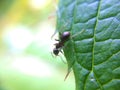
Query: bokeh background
26	63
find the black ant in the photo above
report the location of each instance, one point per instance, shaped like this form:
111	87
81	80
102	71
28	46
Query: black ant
63	38
58	46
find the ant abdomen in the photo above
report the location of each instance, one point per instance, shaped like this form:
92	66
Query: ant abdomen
65	36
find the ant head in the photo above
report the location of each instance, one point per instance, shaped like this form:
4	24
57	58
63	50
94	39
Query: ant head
55	51
65	35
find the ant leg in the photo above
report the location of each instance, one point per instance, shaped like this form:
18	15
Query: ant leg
68	72
62	59
57	40
61	51
65	23
56	44
78	33
61	28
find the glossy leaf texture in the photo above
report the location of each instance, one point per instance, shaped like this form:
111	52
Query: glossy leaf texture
93	54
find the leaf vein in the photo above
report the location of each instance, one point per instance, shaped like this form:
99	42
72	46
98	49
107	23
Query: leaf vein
98	11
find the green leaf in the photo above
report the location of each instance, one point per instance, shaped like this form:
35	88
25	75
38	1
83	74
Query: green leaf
94	54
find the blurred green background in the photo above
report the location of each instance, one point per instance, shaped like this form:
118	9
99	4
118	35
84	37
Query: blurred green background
26	63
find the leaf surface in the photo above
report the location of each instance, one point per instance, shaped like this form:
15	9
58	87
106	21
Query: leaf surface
94	54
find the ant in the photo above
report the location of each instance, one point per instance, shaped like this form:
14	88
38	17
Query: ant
63	38
58	46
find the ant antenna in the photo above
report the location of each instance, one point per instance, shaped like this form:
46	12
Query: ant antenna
54	33
60	29
59	16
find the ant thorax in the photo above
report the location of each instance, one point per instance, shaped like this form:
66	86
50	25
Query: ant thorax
59	45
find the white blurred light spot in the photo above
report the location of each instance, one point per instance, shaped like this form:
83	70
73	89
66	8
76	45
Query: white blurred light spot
44	34
37	4
18	37
32	66
43	37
